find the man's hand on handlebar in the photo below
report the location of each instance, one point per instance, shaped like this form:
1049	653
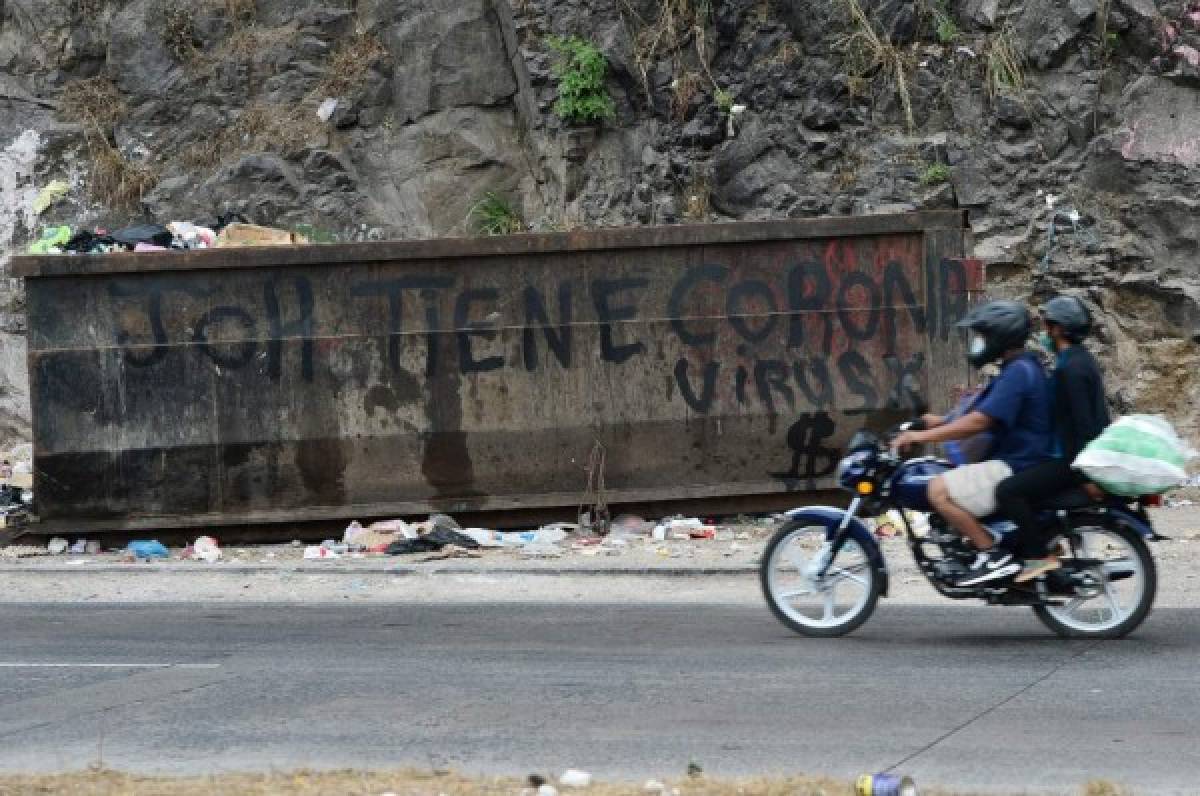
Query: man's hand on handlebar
906	439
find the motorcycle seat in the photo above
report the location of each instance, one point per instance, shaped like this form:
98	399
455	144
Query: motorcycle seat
1068	501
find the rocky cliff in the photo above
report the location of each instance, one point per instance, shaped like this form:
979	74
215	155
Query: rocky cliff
1069	129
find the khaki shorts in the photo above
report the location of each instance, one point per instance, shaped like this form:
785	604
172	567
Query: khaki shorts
973	486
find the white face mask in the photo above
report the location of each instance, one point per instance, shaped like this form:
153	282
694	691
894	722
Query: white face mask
978	345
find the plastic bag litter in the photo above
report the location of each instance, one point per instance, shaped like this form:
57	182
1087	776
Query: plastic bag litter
398	527
52	241
50	195
1136	455
192	236
433	541
154	234
354	533
147	548
548	535
206	549
484	537
680	528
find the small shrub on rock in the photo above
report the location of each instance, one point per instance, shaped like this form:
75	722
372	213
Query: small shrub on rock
582	96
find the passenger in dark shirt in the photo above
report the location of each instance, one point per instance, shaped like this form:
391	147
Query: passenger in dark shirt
1080	414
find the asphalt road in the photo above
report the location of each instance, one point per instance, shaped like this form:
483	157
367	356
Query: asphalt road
953	695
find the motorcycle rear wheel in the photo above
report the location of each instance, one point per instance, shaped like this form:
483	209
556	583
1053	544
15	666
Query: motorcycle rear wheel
1127	581
810	605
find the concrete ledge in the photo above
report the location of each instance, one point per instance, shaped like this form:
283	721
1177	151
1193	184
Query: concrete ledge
335	569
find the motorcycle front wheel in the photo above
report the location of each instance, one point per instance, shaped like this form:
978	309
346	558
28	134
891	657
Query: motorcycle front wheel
811	604
1115	587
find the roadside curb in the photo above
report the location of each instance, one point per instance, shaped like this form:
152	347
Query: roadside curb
144	569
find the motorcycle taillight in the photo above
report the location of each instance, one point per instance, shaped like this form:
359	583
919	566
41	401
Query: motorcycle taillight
1150	500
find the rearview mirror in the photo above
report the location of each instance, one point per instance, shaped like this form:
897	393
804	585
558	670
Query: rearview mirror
910	395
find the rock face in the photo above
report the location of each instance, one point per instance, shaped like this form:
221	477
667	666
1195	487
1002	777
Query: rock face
1071	116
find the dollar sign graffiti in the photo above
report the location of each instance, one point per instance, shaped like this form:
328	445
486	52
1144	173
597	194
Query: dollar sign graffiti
811	459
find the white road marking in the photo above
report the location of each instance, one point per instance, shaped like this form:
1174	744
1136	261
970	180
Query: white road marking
22	665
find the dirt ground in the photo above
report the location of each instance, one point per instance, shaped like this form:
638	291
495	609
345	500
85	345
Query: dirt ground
408	783
699	571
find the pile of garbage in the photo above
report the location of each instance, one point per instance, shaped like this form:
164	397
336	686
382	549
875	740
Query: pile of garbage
226	231
441	537
444	538
440	534
16	487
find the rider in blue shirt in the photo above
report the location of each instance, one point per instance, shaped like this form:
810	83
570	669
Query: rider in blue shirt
1016	409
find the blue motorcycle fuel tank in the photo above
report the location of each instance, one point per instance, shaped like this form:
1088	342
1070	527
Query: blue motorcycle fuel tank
910	484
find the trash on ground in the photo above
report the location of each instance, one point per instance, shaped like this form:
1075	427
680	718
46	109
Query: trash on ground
574	778
484	537
885	785
325	109
57	546
682	528
80	546
396	527
192	236
546	535
631	524
50	195
433	541
147	549
237	234
314	552
23	551
52	241
206	549
452	551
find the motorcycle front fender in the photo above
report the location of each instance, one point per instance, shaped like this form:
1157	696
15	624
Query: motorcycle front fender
830	518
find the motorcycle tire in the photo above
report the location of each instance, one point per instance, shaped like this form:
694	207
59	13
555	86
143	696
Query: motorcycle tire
1141	550
875	587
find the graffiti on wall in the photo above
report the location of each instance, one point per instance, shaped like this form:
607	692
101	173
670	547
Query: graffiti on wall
807	341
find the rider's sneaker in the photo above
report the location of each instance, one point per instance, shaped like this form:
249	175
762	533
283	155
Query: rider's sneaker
990	565
1036	567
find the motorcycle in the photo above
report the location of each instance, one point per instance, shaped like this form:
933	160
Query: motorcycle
823	570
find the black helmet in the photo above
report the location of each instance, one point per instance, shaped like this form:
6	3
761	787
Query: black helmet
1071	314
1001	325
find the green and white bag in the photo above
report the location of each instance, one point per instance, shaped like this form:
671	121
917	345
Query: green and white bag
1136	455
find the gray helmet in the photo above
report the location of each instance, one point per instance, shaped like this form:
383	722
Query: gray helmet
1071	314
1002	325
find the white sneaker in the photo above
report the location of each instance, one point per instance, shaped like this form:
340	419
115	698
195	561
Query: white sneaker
990	565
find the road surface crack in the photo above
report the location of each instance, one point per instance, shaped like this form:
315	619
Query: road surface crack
993	708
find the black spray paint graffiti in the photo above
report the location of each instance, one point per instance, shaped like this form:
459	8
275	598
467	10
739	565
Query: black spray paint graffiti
811	457
808	311
296	323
